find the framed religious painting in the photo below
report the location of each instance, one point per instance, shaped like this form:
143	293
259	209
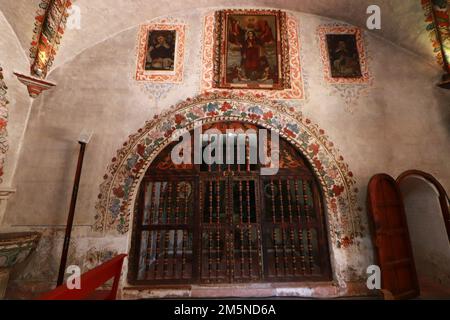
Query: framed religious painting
160	53
343	55
251	50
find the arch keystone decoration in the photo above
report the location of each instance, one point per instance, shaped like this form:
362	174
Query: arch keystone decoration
121	182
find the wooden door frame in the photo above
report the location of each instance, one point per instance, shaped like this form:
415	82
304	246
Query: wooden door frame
443	197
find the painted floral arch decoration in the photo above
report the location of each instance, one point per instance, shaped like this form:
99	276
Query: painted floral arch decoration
120	186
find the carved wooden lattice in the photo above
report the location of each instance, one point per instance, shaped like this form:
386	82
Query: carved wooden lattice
227	223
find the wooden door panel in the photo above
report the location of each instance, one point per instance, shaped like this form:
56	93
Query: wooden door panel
391	237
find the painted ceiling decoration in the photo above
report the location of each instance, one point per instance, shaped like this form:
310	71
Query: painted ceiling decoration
4	146
48	30
437	16
49	26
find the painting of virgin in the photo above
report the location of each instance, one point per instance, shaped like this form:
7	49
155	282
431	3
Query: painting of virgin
252	51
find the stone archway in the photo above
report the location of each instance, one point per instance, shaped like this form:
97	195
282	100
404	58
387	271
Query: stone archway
345	231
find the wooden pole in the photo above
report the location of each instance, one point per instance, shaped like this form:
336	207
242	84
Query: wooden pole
73	202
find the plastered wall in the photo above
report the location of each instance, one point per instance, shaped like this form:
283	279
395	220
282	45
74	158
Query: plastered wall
397	122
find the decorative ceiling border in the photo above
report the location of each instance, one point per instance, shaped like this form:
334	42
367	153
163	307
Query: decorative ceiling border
4	145
437	17
119	189
50	22
161	77
207	81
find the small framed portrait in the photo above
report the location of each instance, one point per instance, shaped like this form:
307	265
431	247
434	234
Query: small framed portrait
251	50
161	53
161	50
343	54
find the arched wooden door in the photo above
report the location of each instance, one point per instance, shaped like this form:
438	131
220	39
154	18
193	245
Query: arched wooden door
391	237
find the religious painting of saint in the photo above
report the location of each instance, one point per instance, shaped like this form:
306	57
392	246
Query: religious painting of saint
160	50
160	53
252	51
343	56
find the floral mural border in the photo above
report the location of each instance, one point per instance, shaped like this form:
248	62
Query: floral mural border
437	17
118	191
49	26
161	77
207	81
4	146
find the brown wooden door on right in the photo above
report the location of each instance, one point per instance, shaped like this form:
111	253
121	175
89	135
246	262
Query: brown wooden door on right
391	238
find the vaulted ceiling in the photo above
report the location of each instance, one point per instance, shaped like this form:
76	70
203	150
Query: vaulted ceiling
402	21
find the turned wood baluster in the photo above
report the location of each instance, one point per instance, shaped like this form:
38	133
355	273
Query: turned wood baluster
175	240
167	232
241	221
291	230
310	248
183	253
158	233
247	153
210	230
249	227
283	242
300	227
185	232
150	221
274	234
218	229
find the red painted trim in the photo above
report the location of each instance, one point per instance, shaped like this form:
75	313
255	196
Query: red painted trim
90	281
443	197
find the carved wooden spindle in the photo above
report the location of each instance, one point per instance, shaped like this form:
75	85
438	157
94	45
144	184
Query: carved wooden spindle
158	233
300	227
168	210
249	222
283	238
218	229
241	221
151	219
186	203
274	234
183	253
291	230
175	240
210	230
247	154
309	236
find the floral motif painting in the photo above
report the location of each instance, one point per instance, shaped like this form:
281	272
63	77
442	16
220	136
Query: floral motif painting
119	189
251	49
252	78
343	55
161	53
